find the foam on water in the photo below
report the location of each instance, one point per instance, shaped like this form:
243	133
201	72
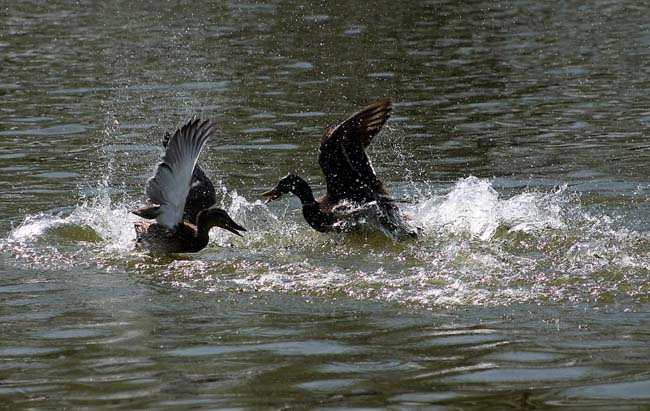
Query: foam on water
474	207
477	246
96	227
103	228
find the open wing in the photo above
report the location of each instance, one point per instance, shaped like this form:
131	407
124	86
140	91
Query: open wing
170	183
201	195
348	171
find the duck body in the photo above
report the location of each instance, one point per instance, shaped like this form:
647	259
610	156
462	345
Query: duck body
355	197
185	237
159	239
183	197
324	215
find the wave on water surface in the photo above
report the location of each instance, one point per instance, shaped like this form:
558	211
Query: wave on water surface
475	247
474	208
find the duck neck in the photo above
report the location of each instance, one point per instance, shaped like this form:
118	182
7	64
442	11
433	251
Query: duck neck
203	227
303	191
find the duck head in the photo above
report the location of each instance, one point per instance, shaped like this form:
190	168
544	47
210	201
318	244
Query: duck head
217	217
287	184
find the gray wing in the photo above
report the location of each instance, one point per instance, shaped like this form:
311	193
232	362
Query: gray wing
170	183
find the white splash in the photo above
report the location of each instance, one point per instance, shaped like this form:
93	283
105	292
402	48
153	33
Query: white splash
260	223
474	207
463	255
113	224
33	227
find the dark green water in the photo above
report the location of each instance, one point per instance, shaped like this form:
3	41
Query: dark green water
518	135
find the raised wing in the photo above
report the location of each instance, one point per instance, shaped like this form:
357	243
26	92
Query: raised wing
170	183
348	171
201	195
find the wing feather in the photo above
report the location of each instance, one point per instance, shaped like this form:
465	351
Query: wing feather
348	171
170	183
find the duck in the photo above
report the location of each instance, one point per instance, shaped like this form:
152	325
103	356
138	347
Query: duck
176	229
354	191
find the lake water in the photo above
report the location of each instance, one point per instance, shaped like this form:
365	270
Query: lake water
518	138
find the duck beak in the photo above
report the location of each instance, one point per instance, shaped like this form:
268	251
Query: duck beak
271	195
231	226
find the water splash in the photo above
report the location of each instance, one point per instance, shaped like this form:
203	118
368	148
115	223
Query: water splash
96	226
33	227
261	224
103	226
477	246
474	207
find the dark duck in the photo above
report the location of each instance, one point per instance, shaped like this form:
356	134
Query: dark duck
354	192
183	197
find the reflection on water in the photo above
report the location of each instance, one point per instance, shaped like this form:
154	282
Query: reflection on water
516	141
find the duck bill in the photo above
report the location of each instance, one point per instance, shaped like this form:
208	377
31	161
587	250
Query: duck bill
271	195
233	227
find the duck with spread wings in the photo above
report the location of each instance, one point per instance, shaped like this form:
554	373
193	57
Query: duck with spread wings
183	197
350	179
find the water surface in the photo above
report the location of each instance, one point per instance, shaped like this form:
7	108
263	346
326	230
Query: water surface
517	140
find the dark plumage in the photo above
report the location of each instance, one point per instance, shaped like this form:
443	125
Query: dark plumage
176	183
350	178
187	238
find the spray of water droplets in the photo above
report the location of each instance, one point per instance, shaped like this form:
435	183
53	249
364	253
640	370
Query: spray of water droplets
475	247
